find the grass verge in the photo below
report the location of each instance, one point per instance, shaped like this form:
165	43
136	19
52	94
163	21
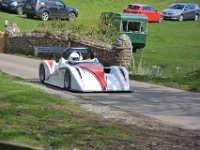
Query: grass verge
32	117
187	81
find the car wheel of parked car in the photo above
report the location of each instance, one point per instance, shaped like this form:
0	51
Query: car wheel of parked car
20	11
42	73
196	17
71	16
45	16
181	18
67	80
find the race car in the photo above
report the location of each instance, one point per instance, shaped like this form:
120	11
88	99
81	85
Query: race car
78	70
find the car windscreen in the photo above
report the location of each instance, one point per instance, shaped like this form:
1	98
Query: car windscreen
134	7
177	6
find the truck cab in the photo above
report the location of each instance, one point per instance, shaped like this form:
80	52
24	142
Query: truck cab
133	25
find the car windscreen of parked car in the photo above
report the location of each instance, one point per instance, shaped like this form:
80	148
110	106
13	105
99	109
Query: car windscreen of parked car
177	6
133	7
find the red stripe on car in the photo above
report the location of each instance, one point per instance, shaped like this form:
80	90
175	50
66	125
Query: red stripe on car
97	71
50	62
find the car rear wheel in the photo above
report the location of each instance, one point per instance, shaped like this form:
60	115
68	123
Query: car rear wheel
42	73
71	16
196	17
181	18
20	11
67	80
45	16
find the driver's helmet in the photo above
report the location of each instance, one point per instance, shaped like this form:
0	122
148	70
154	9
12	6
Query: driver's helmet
75	56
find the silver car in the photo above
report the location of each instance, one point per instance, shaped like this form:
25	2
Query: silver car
182	11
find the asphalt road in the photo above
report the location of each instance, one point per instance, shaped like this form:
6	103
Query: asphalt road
173	106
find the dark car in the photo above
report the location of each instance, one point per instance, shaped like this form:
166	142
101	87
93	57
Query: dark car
13	5
47	9
182	11
147	10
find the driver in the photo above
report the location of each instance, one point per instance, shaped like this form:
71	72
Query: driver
75	56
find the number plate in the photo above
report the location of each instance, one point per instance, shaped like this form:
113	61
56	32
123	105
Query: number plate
28	7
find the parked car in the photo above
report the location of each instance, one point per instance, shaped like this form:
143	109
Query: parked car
78	70
47	9
182	11
147	10
13	5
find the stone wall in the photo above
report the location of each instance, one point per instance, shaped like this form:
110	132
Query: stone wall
118	54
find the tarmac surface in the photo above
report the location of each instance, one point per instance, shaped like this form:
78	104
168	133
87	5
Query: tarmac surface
172	106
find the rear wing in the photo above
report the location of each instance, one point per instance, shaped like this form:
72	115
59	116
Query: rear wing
57	52
49	52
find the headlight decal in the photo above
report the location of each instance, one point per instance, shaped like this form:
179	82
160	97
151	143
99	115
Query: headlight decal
79	72
122	72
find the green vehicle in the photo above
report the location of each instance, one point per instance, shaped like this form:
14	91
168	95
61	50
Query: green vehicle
134	25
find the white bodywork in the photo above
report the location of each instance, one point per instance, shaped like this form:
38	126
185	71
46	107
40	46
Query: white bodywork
115	78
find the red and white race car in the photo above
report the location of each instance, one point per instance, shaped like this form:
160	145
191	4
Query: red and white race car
78	70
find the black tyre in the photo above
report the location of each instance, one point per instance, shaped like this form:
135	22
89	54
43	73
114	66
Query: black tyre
67	80
71	16
45	16
19	11
42	73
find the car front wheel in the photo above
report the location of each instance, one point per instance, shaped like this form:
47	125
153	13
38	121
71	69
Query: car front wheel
67	80
181	18
45	16
71	16
42	73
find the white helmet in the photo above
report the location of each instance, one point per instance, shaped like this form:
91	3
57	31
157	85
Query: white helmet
75	56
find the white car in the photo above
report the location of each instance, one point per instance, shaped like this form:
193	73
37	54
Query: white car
78	70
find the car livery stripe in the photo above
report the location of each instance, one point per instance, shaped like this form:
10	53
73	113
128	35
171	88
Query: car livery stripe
77	69
97	71
50	63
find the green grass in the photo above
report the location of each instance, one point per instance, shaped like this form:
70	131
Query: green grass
170	44
31	117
